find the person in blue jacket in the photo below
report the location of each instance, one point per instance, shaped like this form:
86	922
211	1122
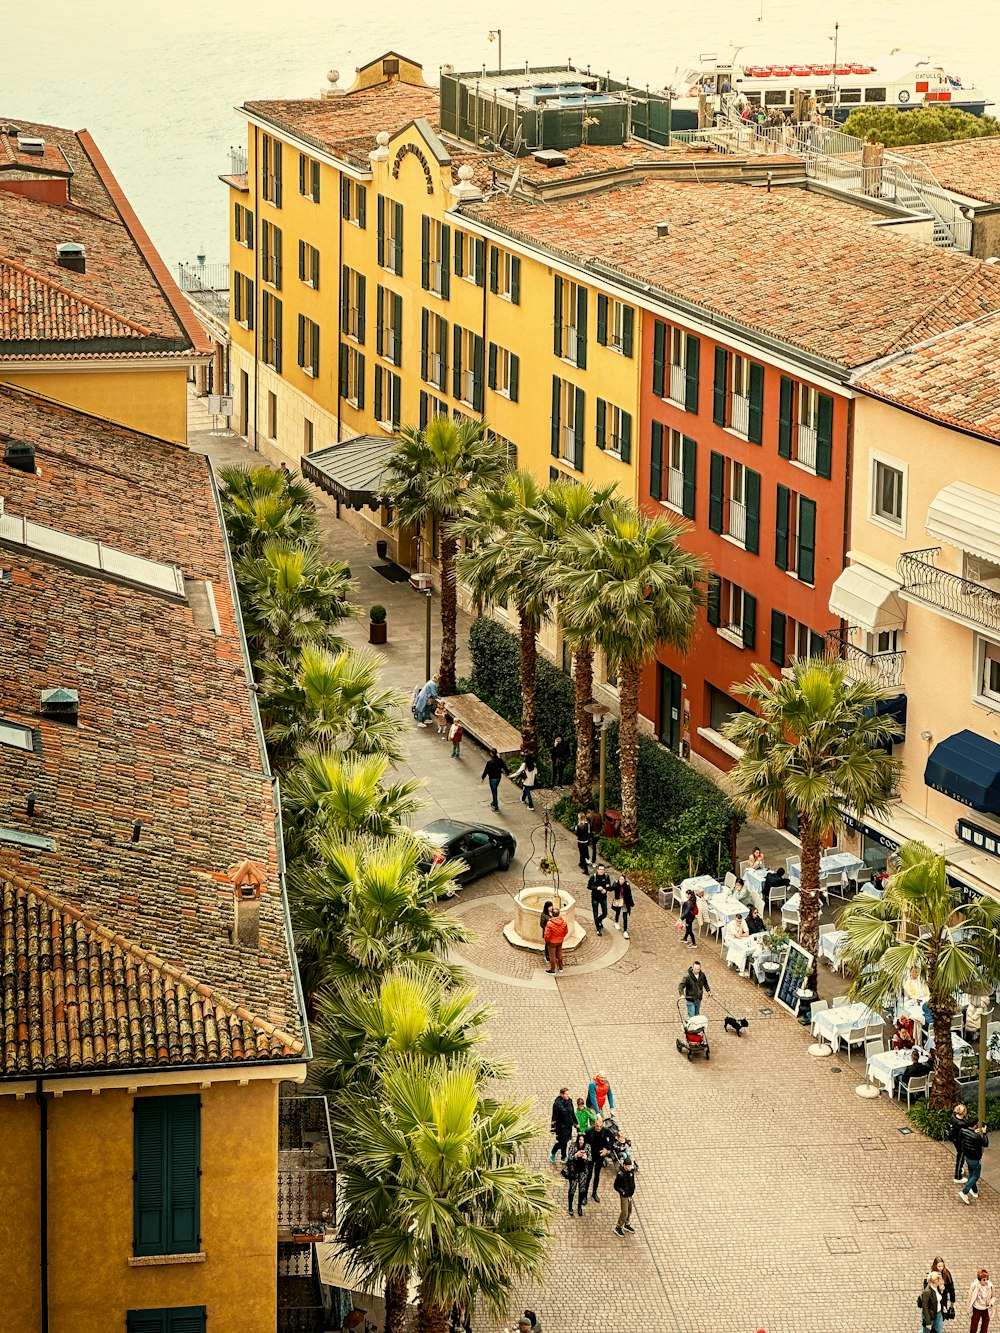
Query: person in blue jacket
600	1098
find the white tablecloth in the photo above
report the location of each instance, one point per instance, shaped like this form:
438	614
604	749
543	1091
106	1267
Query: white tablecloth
883	1066
843	863
742	950
754	879
830	944
831	1024
701	885
727	907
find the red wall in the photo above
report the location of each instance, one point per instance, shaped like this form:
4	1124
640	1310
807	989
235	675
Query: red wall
46	189
713	660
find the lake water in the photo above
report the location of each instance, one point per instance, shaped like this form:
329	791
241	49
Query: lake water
156	84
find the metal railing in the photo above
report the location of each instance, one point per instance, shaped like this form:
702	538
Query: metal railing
238	164
301	1319
304	1122
882	669
307	1199
675	487
737	524
435	280
805	445
964	598
739	414
678	384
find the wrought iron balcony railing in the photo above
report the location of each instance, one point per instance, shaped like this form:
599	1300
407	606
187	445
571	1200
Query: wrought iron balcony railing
307	1168
237	161
882	669
966	600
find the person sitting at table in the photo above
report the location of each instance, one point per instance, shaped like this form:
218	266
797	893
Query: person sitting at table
736	930
919	1066
979	1007
902	1034
741	893
755	922
756	861
774	879
916	988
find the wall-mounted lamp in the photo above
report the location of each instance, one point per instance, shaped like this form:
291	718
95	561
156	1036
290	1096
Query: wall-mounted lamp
927	735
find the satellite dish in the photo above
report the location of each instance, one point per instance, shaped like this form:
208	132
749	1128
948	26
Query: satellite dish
515	179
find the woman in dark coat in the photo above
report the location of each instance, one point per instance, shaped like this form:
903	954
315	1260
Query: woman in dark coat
578	1170
622	902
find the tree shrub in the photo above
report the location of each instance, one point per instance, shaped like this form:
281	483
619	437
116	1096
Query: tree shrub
896	129
930	1120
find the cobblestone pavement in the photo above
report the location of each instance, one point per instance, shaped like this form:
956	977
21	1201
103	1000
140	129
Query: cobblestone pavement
769	1195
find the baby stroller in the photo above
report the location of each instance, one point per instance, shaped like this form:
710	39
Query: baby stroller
695	1039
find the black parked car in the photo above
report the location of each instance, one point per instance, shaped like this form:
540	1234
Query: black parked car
481	846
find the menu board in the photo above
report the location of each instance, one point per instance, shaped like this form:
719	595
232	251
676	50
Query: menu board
793	976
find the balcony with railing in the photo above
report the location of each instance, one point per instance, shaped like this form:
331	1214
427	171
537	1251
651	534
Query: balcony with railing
206	286
237	174
959	598
739	415
678	384
675	487
307	1170
736	527
805	445
884	670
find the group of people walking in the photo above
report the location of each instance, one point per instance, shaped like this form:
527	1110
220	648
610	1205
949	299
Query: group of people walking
590	1142
937	1301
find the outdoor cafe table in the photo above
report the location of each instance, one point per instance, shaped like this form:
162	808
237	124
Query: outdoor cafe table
830	944
701	885
832	1024
882	1066
727	907
740	951
754	879
842	863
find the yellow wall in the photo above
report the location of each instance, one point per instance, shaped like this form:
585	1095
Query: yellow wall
147	400
92	1285
939	667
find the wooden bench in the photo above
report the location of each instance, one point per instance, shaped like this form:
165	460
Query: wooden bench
483	724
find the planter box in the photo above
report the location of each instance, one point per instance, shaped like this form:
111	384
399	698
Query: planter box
377	633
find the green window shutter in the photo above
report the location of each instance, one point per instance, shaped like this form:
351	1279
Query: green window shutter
249	221
189	1319
625	446
602	417
315	182
279	334
578	431
494	269
361	382
345	299
315	269
817	647
778	638
515	280
689	455
659	357
345	197
238	222
824	436
556	403
149	1206
146	1321
480	257
277	173
459	244
381	230
398	208
781	529
361	307
362	195
492	371
602	319
656	460
265	251
691	373
713	600
397	397
628	330
719	394
302	261
397	328
442	351
302	173
425	321
557	322
477	378
755	415
342	387
423	410
425	252
302	340
379	324
515	377
751	495
807	540
786	400
378	393
581	327
184	1159
456	364
251	303
277	257
749	621
716	487
446	262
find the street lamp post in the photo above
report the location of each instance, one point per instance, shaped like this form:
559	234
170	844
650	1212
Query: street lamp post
496	35
427	635
599	712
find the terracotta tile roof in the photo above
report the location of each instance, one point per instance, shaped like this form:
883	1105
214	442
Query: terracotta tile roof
167	736
30	307
952	379
52	161
807	270
595	159
347	126
124	276
966	166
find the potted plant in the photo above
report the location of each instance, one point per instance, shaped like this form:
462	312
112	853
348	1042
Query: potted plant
377	628
382	548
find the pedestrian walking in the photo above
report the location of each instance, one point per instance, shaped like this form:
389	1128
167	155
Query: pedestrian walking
426	702
585	1117
600	1097
622	903
494	769
529	1323
456	734
543	922
560	758
974	1140
563	1123
939	1266
982	1299
689	913
582	834
929	1302
956	1128
599	884
596	829
555	932
625	1189
528	774
578	1174
442	718
600	1140
694	987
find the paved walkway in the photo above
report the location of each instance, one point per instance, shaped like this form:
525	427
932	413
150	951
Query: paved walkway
769	1195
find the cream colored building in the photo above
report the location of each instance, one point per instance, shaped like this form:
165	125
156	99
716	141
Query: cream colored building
921	596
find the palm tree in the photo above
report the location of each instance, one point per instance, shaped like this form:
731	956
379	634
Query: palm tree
632	589
923	922
260	503
815	744
328	701
501	573
428	480
290	596
333	794
462	1213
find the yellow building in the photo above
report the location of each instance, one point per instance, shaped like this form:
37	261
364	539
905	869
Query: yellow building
920	599
89	314
149	999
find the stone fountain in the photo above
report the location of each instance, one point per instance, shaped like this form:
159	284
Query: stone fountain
525	931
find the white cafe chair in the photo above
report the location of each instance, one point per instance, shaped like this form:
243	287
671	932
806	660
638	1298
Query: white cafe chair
730	880
789	918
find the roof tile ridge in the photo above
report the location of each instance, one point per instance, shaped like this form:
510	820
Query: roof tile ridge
152	960
972	273
143	329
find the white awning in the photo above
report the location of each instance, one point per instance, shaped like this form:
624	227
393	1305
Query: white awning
867	599
966	517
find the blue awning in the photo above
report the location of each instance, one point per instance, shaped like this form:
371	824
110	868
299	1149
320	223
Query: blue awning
966	767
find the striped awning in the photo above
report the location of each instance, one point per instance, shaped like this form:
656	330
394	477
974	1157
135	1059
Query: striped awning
967	517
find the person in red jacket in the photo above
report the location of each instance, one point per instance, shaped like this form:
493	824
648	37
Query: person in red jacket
555	932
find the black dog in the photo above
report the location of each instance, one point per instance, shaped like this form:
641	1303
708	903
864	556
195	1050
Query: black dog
735	1025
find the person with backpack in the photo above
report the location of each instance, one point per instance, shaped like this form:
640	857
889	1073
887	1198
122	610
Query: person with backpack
625	1189
456	734
689	913
947	1289
577	1171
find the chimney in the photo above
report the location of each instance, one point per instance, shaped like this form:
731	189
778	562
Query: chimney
60	705
72	255
663	229
30	146
20	455
247	880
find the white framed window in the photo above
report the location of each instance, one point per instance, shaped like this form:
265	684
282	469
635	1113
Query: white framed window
882	641
618	425
887	497
807	425
12	733
677	358
504	362
732	608
987	685
568	418
437	350
354	376
570	306
436	258
354	288
468	380
508	263
736	506
616	324
672	493
739	388
352	201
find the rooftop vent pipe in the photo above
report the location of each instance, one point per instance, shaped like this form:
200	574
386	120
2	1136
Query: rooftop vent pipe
663	229
20	455
72	255
60	705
